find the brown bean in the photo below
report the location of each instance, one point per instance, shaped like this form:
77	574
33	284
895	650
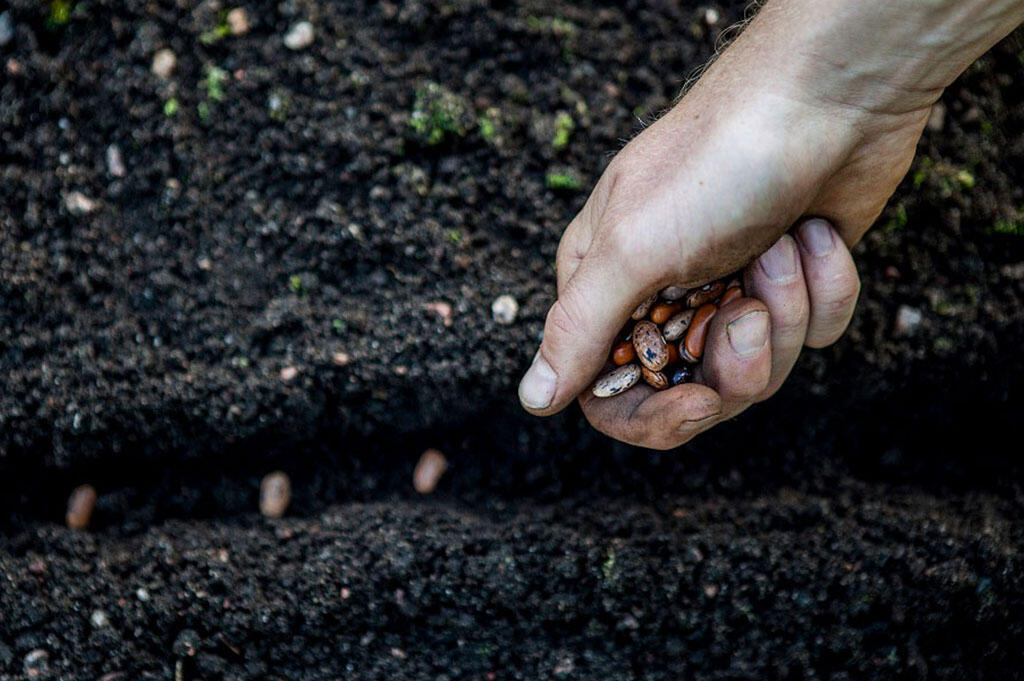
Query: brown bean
661	312
80	507
650	346
617	381
641	311
732	293
677	325
655	379
275	494
428	472
692	348
705	294
673	353
624	353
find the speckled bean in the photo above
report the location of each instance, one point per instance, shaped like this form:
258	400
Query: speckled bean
673	293
617	381
650	347
641	311
705	294
677	325
655	379
692	348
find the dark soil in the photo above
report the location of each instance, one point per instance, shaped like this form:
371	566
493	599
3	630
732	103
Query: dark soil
866	523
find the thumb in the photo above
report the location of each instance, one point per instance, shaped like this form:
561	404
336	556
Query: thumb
578	334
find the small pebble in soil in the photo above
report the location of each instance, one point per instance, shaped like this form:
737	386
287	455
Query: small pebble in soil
78	203
6	28
341	358
908	320
186	644
80	507
275	494
299	36
164	61
428	472
238	21
36	663
115	164
289	373
98	619
712	16
442	310
505	309
937	117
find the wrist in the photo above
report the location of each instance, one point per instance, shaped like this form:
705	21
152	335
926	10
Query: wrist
874	56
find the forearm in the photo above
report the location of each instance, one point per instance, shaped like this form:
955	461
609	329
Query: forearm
890	56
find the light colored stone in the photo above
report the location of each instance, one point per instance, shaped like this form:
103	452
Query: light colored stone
275	494
238	21
908	320
115	163
299	36
429	469
164	61
78	203
505	309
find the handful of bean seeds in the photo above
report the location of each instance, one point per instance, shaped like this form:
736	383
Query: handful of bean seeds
667	337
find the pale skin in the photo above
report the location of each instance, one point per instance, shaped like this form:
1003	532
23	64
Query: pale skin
778	161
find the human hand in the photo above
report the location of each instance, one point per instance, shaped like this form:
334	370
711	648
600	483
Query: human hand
712	185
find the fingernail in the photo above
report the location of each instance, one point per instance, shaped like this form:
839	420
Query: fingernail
817	237
537	388
749	333
779	261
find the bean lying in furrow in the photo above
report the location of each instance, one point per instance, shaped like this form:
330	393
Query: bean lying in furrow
705	294
692	347
655	379
617	381
678	324
641	311
665	339
651	349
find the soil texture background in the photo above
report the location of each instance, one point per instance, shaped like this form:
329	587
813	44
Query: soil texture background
239	265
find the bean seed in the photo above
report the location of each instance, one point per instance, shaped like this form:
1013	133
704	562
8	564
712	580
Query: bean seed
692	348
682	375
655	379
677	325
641	311
428	472
673	353
275	494
624	353
617	381
673	293
650	346
705	294
662	312
80	506
732	293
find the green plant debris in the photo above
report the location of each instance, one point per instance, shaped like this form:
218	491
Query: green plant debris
438	114
217	33
965	178
898	221
608	568
942	177
556	26
213	82
453	236
203	109
295	284
564	125
59	14
338	325
488	124
1009	227
171	106
563	181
